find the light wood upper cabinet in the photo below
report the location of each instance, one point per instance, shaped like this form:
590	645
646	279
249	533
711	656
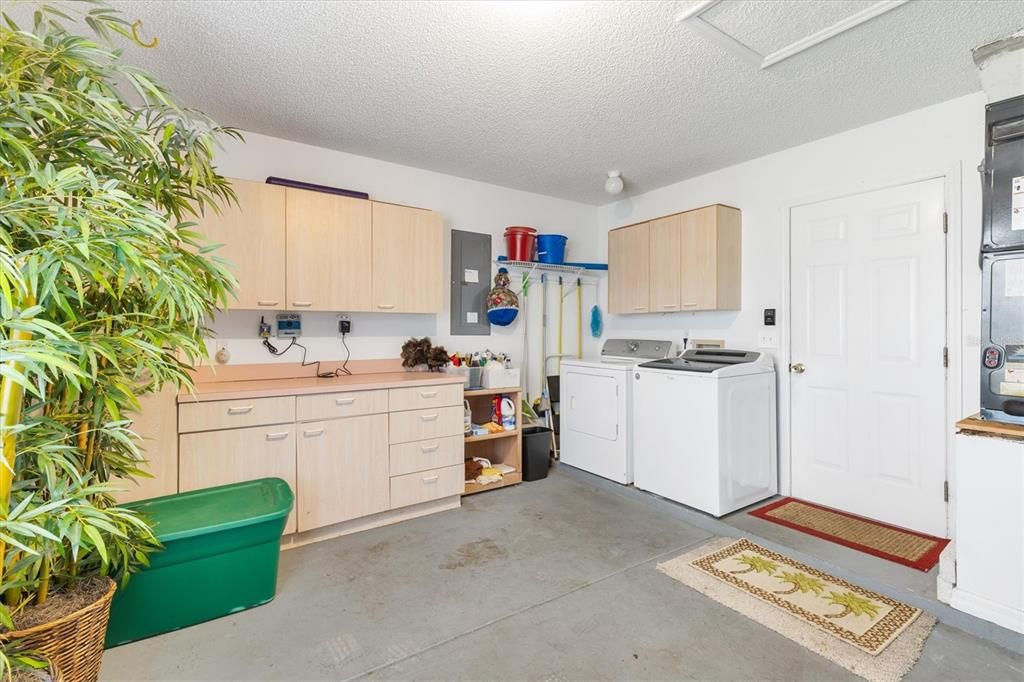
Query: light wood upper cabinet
683	262
629	269
408	259
710	248
665	236
343	470
252	235
328	254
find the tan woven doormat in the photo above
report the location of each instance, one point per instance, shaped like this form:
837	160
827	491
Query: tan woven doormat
900	545
867	633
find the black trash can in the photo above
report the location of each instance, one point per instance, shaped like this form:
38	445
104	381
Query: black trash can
536	452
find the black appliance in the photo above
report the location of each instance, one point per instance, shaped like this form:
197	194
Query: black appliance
1002	263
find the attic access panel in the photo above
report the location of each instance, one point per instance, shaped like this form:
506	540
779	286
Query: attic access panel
741	27
470	283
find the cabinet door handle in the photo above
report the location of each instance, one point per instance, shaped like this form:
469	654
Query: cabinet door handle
241	409
639	307
344	401
668	305
430	448
302	304
277	435
266	303
430	479
428	394
428	417
385	306
689	305
311	433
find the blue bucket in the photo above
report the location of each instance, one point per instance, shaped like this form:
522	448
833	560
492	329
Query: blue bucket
551	248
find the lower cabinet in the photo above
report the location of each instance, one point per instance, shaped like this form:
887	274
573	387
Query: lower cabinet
425	486
217	458
343	470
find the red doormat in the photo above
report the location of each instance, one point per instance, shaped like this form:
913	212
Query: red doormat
856	532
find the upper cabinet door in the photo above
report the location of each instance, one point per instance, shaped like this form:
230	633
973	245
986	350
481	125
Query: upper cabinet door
629	269
408	260
665	238
710	262
328	252
699	271
252	235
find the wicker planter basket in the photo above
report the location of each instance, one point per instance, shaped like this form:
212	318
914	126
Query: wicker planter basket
73	644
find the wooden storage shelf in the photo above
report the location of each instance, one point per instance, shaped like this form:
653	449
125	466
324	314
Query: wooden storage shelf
478	392
506	480
492	436
504	447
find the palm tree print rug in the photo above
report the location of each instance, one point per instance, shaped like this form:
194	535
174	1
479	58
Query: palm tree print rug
868	633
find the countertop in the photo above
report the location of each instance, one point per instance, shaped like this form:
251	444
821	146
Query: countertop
268	388
975	425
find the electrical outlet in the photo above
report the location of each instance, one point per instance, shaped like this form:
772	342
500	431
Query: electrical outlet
344	324
265	328
767	338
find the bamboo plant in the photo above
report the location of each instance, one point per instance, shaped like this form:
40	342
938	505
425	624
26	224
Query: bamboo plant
104	289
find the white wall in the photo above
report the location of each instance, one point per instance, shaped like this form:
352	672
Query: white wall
942	140
464	204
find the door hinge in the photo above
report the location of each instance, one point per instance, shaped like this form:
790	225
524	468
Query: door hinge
945	356
945	491
945	223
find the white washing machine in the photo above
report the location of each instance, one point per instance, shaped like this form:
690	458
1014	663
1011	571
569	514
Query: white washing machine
596	406
704	429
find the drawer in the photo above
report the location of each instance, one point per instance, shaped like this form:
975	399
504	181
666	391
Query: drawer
426	424
427	485
420	397
350	404
230	414
426	454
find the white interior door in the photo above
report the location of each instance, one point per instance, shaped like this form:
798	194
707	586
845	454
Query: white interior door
868	283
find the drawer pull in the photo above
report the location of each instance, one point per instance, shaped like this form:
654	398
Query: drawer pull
428	417
385	306
266	303
689	305
669	305
430	448
302	304
428	394
431	479
314	432
277	435
344	401
241	409
639	307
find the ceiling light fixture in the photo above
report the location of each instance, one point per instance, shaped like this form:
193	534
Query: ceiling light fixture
613	185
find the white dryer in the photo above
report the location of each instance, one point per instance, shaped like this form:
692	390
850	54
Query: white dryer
704	429
596	406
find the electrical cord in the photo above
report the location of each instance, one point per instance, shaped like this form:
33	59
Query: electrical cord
341	371
348	355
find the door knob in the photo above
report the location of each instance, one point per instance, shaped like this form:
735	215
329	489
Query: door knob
797	368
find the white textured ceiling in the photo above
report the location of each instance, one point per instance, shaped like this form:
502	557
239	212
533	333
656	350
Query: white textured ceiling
547	96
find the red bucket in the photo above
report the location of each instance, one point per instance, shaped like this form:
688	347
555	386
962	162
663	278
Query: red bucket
519	242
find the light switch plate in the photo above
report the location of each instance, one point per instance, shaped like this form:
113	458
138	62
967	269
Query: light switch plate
767	338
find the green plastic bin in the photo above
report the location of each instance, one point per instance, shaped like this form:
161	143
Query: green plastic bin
221	548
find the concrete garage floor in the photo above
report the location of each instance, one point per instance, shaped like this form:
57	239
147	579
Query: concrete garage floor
552	579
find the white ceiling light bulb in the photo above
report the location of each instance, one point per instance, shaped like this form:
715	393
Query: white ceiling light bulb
613	185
